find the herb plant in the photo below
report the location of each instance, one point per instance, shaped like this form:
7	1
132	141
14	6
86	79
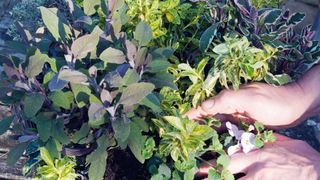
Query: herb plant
120	75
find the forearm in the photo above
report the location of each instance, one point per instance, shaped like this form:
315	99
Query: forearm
310	85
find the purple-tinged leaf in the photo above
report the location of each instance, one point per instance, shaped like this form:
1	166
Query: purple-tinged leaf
72	76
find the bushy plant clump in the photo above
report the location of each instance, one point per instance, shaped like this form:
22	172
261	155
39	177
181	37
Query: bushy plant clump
121	74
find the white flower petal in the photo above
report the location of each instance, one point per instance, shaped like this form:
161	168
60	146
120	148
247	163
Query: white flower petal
247	142
233	149
251	128
232	129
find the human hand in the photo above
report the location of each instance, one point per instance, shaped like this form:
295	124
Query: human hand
275	107
284	159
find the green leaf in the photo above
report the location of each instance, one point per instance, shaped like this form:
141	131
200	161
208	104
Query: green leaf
61	99
96	115
227	175
158	65
81	94
164	170
130	77
112	55
259	126
223	160
32	104
153	102
5	124
221	49
54	147
207	37
189	175
175	122
135	93
81	133
213	175
84	45
35	64
121	129
90	6
59	133
46	157
54	23
149	147
98	158
143	33
97	168
15	153
258	142
72	76
136	141
44	126
277	80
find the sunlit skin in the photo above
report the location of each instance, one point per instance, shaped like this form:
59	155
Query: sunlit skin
276	108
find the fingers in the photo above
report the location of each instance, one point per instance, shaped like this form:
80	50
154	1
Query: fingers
220	104
241	162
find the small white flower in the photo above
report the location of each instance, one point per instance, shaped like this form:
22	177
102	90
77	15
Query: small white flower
251	128
234	149
234	131
247	142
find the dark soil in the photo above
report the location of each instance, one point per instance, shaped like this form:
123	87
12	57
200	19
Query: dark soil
122	165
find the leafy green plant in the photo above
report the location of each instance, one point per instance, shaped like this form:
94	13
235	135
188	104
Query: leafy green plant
266	3
106	77
58	169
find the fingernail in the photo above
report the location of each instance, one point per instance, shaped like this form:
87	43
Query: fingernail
207	105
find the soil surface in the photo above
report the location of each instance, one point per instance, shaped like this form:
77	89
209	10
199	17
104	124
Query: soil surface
122	165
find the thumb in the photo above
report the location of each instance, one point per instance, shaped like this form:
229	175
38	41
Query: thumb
224	103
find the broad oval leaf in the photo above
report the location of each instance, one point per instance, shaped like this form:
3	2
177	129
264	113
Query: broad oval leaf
135	93
175	122
143	33
90	6
112	55
83	45
56	26
32	104
72	76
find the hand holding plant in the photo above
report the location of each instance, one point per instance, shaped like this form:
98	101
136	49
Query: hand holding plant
288	158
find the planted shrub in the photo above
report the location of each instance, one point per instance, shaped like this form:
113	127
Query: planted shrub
121	74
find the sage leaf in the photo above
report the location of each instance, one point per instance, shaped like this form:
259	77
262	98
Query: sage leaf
207	37
97	168
136	141
83	45
32	104
57	27
135	93
121	129
15	153
81	94
90	6
35	64
143	33
96	114
61	99
112	55
72	76
5	124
